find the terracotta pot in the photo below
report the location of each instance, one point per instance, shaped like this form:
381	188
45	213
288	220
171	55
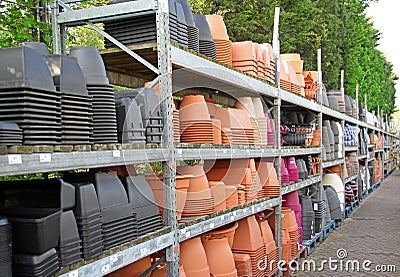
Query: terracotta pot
161	271
289	219
248	235
219	257
134	269
243	50
258	107
217	27
227	231
193	258
231	196
243	264
198	182
218	192
217	131
286	251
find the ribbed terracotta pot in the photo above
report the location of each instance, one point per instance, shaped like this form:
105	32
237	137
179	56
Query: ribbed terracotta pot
193	258
227	231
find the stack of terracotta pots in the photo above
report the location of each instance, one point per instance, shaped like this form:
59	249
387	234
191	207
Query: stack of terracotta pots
248	240
236	126
310	84
218	192
261	58
270	130
316	140
270	62
244	57
193	258
258	121
158	187
271	250
176	120
297	80
251	182
199	200
285	78
242	264
268	178
221	38
196	125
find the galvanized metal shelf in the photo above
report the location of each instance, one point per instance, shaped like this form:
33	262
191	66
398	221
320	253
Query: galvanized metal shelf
328	111
371	145
296	151
362	157
350	148
332	163
114	260
302	184
351	178
209	152
379	150
19	164
192	227
300	101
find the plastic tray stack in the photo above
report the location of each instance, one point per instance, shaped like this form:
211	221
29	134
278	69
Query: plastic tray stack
144	205
102	93
192	30
10	134
308	217
129	122
70	243
319	211
88	218
142	29
5	247
46	264
76	104
206	43
30	100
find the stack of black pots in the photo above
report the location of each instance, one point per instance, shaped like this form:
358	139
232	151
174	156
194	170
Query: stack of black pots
29	98
319	211
129	122
88	218
10	134
334	203
206	43
302	167
144	205
5	247
102	93
193	31
308	217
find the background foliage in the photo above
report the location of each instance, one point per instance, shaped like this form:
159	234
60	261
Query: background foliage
339	27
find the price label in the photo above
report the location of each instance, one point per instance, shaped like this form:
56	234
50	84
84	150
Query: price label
245	210
258	209
315	206
14	159
45	158
116	153
183	232
105	268
113	258
222	217
74	273
232	218
234	213
187	234
180	151
252	209
224	151
212	225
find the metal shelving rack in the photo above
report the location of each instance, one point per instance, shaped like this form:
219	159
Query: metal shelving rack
163	58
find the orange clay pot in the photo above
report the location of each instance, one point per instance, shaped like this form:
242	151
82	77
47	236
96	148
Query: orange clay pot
219	257
227	231
194	258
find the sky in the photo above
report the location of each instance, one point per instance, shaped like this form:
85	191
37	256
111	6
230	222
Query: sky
386	18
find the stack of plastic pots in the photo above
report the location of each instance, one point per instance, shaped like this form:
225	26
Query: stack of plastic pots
129	122
334	203
182	34
332	179
339	99
192	30
248	240
144	205
221	38
103	103
177	127
297	80
302	169
319	210
76	104
69	244
291	201
307	217
88	218
271	250
206	43
285	177
337	130
195	123
348	105
5	247
292	169
270	130
193	257
310	86
10	134
149	103
199	199
244	57
29	98
328	218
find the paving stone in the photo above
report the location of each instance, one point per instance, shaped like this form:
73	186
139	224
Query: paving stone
370	233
